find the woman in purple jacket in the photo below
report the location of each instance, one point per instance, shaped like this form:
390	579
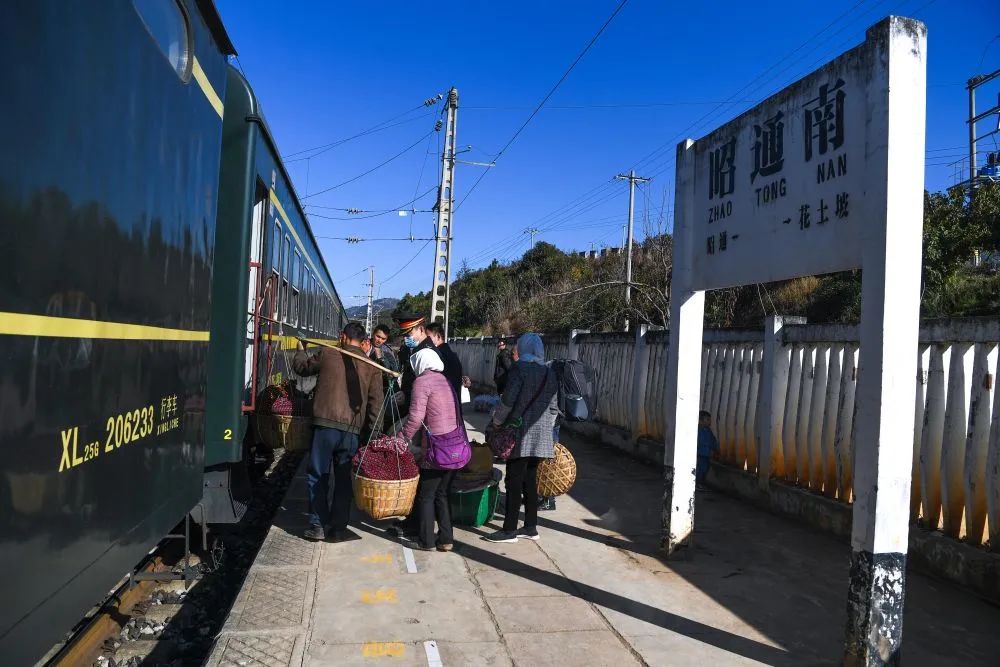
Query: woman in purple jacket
433	408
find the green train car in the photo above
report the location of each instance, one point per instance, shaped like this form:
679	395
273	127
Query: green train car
157	269
270	285
112	133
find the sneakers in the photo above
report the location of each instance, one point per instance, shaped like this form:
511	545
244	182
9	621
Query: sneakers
546	504
446	547
314	532
502	536
527	534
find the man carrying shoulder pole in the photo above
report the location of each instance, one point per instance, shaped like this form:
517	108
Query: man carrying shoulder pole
347	401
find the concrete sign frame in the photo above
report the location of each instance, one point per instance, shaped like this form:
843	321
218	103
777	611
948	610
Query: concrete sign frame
826	175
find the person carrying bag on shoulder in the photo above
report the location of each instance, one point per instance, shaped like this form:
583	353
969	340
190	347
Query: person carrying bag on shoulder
529	406
435	418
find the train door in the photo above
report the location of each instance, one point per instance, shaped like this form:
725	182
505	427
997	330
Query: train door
255	287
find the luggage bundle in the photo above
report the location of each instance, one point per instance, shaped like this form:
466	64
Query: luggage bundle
385	478
283	418
577	389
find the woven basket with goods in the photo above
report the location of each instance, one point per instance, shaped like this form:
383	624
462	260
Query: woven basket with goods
556	475
385	474
282	418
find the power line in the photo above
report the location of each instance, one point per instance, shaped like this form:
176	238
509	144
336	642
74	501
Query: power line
330	147
538	108
640	105
373	214
359	239
344	280
410	261
374	128
603	193
375	168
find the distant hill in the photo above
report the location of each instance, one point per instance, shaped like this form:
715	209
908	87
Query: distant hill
382	306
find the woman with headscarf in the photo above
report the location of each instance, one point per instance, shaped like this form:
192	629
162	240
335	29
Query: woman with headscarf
432	408
529	402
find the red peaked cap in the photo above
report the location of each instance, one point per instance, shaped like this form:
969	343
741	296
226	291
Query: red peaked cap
408	321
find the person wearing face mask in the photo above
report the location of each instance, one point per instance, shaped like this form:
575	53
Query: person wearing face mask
415	338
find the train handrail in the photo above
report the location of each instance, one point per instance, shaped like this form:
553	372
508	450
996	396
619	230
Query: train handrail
263	294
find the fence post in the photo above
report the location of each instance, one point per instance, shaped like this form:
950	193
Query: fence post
571	351
640	356
771	405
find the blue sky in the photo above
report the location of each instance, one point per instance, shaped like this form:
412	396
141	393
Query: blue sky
325	71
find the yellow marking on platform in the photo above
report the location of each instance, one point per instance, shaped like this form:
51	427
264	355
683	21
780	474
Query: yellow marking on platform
377	558
206	87
381	595
383	649
24	324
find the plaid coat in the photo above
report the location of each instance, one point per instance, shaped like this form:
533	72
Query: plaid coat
524	381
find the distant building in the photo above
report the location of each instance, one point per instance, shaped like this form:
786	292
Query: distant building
594	254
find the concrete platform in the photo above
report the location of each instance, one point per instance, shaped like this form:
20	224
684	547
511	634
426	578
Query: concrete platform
757	589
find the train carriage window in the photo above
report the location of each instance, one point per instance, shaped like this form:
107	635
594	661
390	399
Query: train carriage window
167	23
303	286
312	301
296	282
272	296
285	259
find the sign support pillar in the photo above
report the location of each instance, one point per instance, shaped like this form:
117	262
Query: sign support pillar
683	396
887	368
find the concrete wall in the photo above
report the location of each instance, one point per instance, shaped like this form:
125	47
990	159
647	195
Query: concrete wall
787	393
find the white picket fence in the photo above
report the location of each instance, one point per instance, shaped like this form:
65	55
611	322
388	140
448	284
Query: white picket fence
810	421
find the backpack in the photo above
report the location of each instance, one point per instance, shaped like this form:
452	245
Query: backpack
577	389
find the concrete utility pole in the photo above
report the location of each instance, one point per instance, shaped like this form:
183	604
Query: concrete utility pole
632	180
531	231
369	321
440	286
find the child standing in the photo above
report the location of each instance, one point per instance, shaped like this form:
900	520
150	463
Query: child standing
708	444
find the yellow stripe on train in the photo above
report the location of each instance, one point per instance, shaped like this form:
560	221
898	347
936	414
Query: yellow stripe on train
23	324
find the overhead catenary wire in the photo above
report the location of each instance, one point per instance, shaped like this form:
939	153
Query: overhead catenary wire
545	99
384	125
408	262
373	169
662	156
373	214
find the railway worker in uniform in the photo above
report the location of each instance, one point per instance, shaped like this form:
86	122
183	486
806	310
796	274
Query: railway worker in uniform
452	364
347	401
411	326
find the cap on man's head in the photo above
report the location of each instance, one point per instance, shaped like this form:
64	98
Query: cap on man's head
408	321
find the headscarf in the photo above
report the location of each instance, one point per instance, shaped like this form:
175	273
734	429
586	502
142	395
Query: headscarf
426	359
530	349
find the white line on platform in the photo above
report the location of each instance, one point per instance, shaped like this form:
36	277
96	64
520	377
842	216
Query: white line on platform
411	563
433	657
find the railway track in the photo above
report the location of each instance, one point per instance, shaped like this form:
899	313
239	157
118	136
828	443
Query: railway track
168	622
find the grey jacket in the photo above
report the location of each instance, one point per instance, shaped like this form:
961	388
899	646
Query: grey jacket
539	417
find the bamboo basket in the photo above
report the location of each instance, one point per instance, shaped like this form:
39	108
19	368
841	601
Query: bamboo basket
384	498
285	432
556	475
